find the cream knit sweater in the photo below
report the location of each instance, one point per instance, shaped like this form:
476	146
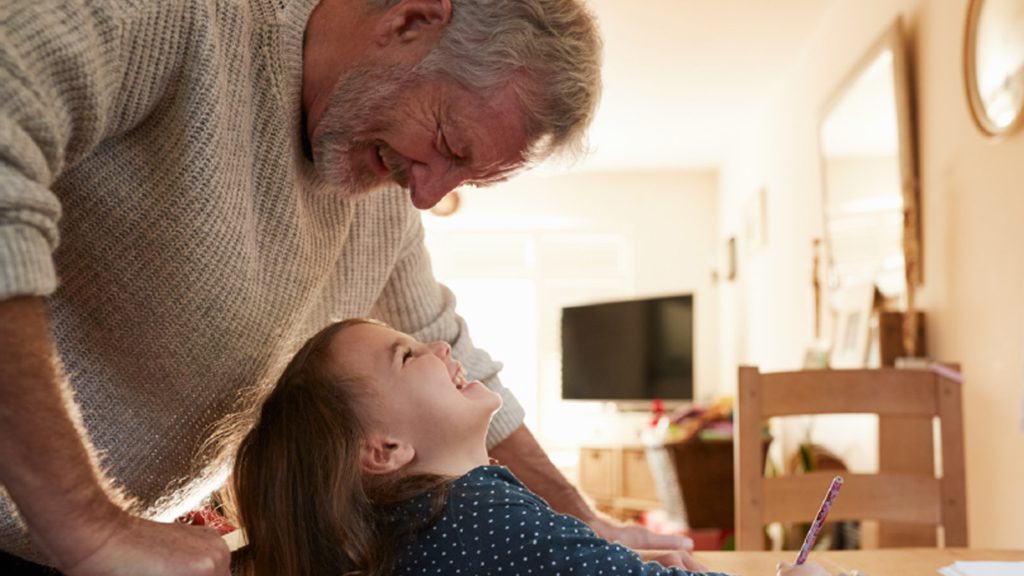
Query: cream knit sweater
197	247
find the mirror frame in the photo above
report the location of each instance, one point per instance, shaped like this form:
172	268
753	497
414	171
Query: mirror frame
978	112
891	39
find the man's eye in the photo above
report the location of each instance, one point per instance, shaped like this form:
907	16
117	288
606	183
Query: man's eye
442	143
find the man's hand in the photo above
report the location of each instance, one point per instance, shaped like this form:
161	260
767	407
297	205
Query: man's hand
48	472
666	549
143	548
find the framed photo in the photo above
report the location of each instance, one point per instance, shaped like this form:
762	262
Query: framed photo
755	221
852	310
730	259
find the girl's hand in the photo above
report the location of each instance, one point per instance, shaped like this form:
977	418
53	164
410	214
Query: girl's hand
808	568
669	558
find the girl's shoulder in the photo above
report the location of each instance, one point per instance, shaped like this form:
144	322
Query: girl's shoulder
494	484
482	490
489	474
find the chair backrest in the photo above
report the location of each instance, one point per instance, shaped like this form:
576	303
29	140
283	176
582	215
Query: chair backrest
905	495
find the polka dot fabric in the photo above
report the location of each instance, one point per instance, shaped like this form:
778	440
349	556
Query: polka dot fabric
492	524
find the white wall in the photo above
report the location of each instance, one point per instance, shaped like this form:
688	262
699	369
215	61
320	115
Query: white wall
516	253
972	194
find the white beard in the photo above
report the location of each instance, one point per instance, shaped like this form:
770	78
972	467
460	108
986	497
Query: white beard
358	109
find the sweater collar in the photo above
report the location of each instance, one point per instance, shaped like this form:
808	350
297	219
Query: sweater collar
292	18
289	30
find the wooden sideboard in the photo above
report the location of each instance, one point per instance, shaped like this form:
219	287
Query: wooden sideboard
618	479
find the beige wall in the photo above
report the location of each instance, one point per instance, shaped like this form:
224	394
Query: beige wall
973	202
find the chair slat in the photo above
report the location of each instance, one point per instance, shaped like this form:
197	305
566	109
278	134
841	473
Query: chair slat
884	392
885	497
954	489
905	446
747	484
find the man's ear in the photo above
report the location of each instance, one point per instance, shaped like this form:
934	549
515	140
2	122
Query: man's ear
412	20
383	455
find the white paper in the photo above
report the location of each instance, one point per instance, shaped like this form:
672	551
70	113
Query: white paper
962	568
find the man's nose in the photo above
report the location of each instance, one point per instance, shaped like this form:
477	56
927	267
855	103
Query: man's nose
430	182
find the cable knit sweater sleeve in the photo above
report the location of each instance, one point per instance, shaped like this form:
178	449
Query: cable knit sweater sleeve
416	303
61	68
52	101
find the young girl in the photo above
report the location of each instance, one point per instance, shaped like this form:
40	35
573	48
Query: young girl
369	458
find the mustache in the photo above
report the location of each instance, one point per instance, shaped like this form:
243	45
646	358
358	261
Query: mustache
356	114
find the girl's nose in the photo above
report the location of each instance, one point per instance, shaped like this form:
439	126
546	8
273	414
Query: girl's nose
441	349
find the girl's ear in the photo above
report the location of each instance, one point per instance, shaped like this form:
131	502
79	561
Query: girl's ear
383	455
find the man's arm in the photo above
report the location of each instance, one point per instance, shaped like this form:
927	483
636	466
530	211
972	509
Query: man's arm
50	474
522	454
64	86
414	302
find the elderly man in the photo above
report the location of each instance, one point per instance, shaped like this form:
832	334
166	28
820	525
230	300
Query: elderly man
207	169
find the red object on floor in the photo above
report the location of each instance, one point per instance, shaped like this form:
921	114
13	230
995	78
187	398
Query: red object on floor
207	517
657	411
709	538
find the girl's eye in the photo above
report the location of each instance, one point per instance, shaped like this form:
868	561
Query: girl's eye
407	356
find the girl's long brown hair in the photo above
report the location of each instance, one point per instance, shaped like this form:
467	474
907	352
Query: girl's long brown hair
299	489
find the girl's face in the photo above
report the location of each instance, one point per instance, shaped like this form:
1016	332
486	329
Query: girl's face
423	396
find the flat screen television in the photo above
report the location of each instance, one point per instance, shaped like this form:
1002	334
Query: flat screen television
629	350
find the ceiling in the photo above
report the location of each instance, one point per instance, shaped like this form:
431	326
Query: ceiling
681	77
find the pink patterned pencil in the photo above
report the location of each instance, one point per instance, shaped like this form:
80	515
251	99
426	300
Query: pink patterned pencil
812	532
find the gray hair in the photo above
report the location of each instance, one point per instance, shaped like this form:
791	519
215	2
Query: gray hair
549	50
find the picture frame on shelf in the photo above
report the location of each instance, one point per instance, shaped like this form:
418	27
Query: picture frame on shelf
730	259
853	311
755	221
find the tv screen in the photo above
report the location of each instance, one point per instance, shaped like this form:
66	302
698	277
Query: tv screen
630	350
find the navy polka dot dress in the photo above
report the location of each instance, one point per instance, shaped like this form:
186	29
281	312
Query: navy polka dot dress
494	525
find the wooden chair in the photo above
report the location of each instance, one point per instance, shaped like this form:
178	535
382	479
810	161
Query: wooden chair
905	497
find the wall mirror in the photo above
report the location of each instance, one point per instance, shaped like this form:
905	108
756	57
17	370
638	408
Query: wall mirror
994	64
868	167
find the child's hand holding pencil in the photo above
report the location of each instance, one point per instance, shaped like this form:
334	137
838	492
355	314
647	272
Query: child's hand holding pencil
808	568
801	567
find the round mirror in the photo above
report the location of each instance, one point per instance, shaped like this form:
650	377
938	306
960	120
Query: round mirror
994	64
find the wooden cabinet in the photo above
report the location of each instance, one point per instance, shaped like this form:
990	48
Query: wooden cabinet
597	469
637	479
618	479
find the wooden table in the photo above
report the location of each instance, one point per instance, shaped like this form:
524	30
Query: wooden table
898	562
